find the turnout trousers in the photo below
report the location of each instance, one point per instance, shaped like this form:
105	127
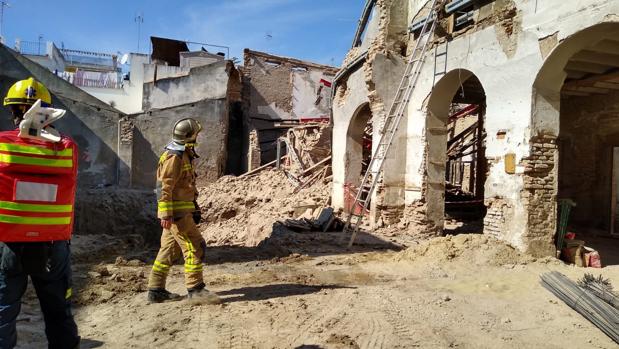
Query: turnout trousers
52	283
184	234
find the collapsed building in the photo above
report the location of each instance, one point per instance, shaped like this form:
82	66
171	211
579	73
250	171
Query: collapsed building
121	122
281	93
515	108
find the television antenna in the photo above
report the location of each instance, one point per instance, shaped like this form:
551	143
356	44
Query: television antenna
3	4
139	19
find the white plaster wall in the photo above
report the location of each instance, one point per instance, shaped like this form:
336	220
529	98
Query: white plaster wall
129	98
508	82
371	30
304	87
206	82
342	115
163	72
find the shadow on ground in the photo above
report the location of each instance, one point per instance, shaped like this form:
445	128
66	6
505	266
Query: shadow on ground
280	244
86	343
285	243
265	292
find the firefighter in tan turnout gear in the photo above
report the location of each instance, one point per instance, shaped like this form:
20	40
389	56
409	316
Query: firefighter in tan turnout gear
179	214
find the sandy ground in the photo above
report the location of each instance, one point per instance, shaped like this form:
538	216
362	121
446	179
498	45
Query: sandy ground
457	292
282	289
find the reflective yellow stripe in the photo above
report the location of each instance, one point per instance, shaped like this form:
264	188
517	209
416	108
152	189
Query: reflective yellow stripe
161	265
35	220
15	206
69	293
193	271
159	269
25	160
28	149
175	205
193	268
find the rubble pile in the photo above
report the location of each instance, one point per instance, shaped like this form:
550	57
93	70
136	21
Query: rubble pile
241	211
474	249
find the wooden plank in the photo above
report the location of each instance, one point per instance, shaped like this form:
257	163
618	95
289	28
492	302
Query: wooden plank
318	164
574	93
606	46
592	68
597	58
587	89
608	85
571	74
258	169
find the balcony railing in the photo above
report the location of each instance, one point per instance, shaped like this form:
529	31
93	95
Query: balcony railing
93	79
34	48
89	59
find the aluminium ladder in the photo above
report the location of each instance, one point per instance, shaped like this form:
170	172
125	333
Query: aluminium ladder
392	121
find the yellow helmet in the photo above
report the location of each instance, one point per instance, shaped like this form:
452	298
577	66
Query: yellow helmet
27	92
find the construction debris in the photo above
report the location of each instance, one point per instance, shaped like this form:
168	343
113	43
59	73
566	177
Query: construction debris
601	313
243	211
325	221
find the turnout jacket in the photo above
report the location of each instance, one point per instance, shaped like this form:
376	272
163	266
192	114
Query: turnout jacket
176	182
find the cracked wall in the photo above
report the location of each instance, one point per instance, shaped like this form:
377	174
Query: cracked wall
506	47
282	90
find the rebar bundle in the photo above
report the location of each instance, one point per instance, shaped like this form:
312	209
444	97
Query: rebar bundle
600	312
601	288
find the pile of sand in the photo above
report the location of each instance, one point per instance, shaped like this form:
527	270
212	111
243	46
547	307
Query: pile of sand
241	211
474	249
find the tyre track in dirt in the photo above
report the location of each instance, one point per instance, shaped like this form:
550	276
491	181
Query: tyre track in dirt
334	308
400	323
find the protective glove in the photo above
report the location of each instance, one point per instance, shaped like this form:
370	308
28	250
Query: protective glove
197	216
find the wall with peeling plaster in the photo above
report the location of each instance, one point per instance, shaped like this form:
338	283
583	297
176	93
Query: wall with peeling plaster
506	50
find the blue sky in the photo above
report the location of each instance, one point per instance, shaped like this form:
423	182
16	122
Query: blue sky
314	30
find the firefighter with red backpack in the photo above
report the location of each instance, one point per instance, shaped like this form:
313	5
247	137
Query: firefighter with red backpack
38	171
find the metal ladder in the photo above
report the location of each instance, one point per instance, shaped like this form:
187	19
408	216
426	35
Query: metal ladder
392	121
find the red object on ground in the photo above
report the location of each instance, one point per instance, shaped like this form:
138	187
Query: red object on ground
570	236
37	188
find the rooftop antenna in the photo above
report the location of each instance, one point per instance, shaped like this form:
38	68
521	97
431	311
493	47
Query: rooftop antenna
139	19
3	4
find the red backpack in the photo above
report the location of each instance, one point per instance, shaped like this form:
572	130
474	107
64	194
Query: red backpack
37	188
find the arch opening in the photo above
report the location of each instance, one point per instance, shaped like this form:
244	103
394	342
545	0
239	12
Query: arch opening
455	161
358	154
575	143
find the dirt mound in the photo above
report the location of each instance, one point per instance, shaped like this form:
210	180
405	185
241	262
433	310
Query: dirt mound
466	248
110	282
241	211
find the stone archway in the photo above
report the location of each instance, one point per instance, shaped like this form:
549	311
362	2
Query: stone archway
358	150
575	127
455	148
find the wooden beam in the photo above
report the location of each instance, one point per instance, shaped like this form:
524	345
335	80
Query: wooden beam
574	93
592	68
587	89
608	85
606	46
596	57
571	74
610	78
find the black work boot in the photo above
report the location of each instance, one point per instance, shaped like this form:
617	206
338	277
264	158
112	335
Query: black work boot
159	295
200	295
